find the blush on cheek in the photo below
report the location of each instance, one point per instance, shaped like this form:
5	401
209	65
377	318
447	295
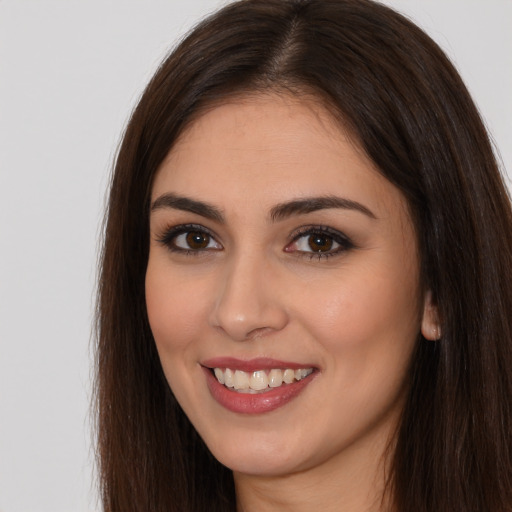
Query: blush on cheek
174	323
170	329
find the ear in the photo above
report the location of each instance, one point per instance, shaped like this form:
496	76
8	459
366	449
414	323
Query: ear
430	326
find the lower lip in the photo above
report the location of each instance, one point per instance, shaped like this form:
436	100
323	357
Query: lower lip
247	403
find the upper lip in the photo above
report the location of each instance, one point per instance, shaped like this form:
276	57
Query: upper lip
253	365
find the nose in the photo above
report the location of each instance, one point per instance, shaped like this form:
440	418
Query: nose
249	301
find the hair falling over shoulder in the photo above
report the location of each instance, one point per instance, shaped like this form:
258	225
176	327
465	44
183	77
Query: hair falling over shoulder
401	98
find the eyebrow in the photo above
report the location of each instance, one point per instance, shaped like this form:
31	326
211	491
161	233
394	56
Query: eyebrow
188	205
312	204
277	213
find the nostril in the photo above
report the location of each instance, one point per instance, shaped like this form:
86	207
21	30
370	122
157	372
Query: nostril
245	308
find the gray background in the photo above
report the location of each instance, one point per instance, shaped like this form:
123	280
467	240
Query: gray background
70	72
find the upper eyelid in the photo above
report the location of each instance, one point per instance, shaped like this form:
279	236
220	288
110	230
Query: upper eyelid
170	232
327	230
345	242
300	231
183	228
173	231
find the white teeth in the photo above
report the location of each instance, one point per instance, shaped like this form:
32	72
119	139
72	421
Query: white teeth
275	378
303	372
241	380
228	378
259	381
219	374
288	376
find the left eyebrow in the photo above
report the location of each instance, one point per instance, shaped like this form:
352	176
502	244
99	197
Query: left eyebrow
313	204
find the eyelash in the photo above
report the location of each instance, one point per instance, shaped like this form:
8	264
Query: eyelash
170	235
344	242
168	239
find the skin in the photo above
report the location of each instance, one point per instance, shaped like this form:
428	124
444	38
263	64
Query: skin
257	290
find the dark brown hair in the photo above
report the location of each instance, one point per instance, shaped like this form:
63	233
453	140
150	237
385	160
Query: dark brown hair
407	107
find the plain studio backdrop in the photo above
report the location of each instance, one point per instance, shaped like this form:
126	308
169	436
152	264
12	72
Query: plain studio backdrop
70	73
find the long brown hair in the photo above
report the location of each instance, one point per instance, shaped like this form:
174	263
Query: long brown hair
403	101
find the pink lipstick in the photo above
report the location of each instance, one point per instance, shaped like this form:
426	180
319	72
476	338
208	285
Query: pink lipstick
248	401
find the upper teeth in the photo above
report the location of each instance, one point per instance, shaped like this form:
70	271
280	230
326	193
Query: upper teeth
260	380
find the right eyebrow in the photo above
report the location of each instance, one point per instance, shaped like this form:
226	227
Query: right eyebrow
186	204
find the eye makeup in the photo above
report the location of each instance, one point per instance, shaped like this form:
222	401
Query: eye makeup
313	242
189	239
319	242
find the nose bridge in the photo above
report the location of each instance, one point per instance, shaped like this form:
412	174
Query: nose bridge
247	304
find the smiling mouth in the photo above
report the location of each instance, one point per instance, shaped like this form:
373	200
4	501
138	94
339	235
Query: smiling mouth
259	381
258	385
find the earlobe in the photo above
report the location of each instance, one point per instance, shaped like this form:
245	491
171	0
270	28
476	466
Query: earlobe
430	326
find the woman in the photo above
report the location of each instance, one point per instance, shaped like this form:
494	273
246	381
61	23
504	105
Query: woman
306	280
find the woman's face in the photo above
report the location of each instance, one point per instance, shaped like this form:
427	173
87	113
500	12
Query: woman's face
284	263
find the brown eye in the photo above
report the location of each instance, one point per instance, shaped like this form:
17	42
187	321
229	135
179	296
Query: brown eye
189	240
197	240
320	243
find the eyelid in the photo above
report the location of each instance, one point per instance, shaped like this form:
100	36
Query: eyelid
172	232
345	243
319	228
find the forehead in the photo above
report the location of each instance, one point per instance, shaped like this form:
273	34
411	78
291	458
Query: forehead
259	150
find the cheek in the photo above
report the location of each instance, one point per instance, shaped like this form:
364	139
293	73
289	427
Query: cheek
174	310
370	315
367	329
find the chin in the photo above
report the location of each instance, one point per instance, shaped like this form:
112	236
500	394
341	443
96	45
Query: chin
259	453
257	463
